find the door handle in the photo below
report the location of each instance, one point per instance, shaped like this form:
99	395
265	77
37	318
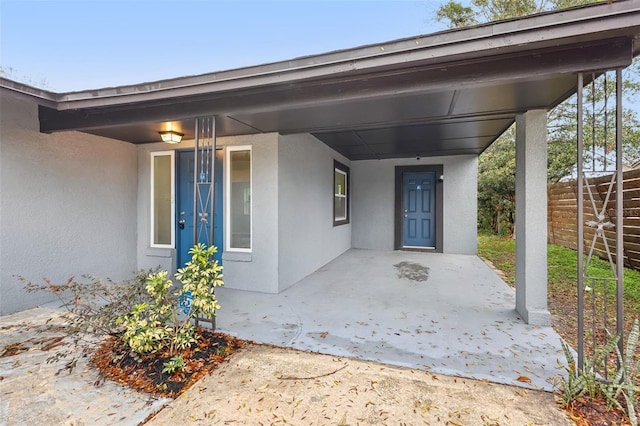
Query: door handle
181	224
406	215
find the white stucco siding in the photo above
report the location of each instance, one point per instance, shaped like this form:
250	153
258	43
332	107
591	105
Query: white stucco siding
373	199
307	237
67	203
461	205
256	271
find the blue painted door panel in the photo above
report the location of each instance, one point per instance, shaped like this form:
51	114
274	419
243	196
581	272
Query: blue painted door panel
418	206
184	205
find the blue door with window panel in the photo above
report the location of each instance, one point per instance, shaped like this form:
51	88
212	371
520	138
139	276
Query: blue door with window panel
185	204
418	206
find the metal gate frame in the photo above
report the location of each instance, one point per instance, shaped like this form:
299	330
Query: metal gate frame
204	187
587	284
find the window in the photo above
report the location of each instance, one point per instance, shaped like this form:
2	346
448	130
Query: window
238	198
162	199
340	194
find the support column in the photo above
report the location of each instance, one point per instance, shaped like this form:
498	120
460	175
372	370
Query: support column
531	217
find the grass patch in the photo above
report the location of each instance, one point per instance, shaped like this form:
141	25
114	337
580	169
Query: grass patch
562	268
562	272
501	251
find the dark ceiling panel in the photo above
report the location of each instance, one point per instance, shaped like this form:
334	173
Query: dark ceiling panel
513	96
390	110
433	132
461	136
148	132
339	139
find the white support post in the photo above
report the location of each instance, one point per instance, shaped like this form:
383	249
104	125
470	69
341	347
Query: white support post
531	217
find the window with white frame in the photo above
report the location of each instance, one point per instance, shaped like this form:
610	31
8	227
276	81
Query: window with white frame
162	199
238	199
340	194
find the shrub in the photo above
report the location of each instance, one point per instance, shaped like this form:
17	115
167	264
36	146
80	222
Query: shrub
166	320
95	305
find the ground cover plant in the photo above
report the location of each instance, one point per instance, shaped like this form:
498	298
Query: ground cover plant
140	332
587	399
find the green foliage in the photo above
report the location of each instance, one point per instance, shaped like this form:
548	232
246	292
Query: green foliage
200	277
174	364
625	383
501	252
144	330
578	383
95	305
574	385
623	386
152	326
494	10
457	14
562	272
497	185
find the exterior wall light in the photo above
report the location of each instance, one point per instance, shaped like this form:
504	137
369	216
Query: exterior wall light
171	136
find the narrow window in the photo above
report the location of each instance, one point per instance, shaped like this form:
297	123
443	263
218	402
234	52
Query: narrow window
340	194
238	198
162	199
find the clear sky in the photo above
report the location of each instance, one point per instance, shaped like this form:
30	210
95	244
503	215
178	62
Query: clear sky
74	45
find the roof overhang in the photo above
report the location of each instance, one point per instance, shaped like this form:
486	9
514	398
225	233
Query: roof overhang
452	92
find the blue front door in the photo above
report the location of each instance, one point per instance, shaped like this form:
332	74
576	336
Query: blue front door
185	205
418	206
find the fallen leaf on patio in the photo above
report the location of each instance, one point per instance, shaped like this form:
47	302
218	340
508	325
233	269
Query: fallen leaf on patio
343	420
524	379
324	334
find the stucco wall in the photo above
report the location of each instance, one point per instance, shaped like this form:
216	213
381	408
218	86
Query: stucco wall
373	202
67	203
307	237
258	270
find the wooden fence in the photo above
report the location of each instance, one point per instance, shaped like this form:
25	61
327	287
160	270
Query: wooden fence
562	205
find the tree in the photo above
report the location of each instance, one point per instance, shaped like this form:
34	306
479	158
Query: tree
495	10
496	185
496	180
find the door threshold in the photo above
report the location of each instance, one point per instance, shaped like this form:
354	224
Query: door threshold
418	248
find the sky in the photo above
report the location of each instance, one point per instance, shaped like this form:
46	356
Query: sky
67	46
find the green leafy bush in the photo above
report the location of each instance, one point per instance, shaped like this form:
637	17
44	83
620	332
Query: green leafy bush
165	321
174	364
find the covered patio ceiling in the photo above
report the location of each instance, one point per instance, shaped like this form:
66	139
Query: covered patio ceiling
448	93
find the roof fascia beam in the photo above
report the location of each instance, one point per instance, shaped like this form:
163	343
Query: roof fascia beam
339	89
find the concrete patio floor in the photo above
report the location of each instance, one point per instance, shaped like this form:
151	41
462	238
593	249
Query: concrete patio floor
449	314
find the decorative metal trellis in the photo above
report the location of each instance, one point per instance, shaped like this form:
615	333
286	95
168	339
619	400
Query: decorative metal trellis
600	212
204	186
203	208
